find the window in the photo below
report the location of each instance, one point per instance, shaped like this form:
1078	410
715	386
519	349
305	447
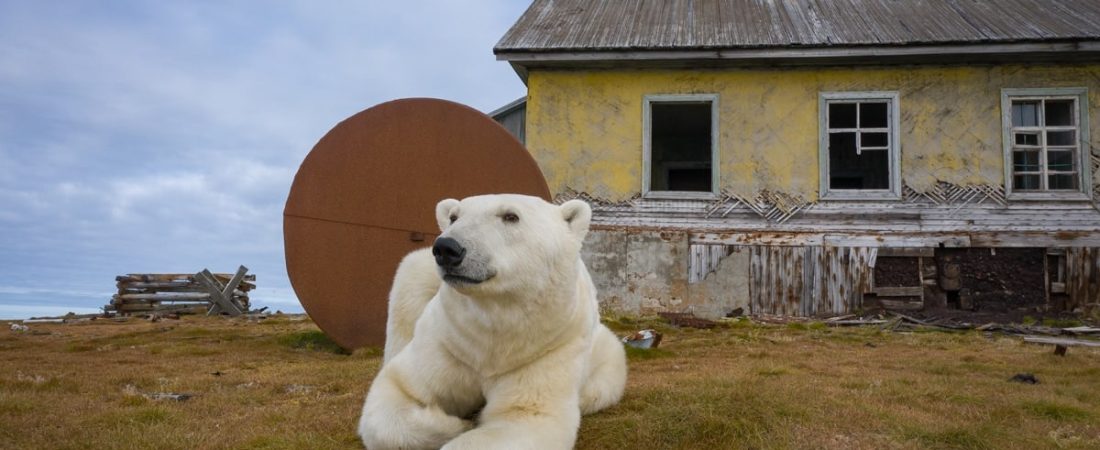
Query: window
859	145
680	146
1043	142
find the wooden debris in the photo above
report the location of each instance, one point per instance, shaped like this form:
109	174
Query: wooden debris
172	396
856	322
45	320
1060	344
687	320
1083	330
203	292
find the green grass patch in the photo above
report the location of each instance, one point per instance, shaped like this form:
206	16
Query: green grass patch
1054	411
772	372
312	340
641	354
15	406
149	416
951	438
79	347
1061	323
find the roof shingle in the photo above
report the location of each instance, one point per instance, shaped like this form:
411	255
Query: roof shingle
633	25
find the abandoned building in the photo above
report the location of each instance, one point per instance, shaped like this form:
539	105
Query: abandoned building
815	158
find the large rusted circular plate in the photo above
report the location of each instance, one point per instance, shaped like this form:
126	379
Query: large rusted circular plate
365	196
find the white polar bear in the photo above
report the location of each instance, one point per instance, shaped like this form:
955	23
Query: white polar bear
509	351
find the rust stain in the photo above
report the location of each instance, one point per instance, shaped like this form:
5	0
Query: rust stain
1068	235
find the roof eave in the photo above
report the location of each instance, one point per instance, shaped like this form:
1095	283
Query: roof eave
795	55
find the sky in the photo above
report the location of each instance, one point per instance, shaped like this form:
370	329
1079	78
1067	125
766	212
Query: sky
162	137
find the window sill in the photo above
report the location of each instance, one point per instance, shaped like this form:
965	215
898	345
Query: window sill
1049	196
679	195
874	196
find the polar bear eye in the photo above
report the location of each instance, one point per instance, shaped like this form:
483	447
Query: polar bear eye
453	218
510	217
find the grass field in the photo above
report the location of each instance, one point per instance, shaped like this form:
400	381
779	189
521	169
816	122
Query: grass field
280	383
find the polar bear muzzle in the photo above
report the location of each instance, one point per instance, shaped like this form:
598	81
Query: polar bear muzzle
449	255
448	252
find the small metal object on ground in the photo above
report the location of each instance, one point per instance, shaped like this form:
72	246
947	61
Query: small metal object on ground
643	339
365	197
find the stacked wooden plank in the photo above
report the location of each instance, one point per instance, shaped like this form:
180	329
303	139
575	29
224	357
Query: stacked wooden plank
203	292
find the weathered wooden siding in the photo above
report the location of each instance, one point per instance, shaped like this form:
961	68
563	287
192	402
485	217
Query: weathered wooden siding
1083	278
866	224
809	281
704	260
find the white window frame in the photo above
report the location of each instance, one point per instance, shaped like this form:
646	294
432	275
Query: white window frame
647	128
1084	168
894	149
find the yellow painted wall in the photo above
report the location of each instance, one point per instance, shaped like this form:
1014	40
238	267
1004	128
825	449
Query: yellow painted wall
585	127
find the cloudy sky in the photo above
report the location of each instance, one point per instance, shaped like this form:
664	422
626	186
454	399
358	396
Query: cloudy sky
140	136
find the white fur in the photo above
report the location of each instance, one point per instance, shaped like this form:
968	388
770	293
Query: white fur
509	363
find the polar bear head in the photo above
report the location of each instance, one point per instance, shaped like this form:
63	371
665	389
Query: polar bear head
509	244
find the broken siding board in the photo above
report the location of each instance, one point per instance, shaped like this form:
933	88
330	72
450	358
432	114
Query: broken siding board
1082	277
907	251
836	240
781	239
915	291
1060	239
704	259
809	281
1049	239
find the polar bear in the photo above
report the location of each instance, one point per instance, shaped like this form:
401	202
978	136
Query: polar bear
493	338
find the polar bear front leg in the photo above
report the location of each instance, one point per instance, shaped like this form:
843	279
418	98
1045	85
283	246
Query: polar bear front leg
606	378
394	417
532	408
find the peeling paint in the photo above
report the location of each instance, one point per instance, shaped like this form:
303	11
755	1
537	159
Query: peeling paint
585	127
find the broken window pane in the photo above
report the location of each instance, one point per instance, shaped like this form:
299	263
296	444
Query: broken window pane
1061	137
1059	113
1025	182
680	146
1025	113
872	115
874	139
842	115
1060	161
848	170
1062	182
1027	138
1025	161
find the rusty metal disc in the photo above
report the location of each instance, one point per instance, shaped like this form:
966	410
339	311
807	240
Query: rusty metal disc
365	196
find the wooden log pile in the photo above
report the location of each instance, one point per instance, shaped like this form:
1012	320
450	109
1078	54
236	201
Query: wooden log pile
199	293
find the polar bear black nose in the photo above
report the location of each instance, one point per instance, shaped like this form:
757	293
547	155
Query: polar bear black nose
448	252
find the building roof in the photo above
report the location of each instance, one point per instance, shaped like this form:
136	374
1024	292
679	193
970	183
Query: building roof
616	25
590	31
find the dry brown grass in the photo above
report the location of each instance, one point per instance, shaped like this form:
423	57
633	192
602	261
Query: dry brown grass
280	385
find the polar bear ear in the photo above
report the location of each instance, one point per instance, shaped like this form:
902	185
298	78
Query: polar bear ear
443	212
578	215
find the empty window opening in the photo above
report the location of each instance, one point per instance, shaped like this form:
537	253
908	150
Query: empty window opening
681	141
859	148
859	145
